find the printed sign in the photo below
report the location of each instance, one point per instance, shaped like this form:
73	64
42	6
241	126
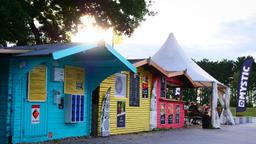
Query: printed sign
145	87
37	84
73	80
162	114
58	74
170	119
120	85
35	114
177	118
121	113
177	91
242	85
170	108
178	109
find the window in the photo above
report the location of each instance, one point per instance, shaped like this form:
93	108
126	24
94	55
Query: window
134	99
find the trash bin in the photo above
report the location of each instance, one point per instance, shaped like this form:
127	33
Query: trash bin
206	121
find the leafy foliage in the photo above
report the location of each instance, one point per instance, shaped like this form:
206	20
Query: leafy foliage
45	21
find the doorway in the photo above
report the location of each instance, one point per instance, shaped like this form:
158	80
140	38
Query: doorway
95	112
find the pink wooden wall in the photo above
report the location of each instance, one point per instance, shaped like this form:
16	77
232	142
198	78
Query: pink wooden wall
168	104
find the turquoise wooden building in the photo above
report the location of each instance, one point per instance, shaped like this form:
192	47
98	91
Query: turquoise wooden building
46	90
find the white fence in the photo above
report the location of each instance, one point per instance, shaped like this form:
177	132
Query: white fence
244	120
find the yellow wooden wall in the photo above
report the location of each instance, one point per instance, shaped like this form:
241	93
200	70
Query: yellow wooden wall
137	118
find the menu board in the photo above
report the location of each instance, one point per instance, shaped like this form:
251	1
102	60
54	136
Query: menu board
73	80
134	99
144	86
121	113
37	84
163	87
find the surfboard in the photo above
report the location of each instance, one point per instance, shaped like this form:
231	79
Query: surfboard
105	117
153	106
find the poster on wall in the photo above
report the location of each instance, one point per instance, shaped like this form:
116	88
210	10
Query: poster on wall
35	114
177	92
162	114
145	86
120	85
121	113
170	119
58	74
134	99
74	80
177	118
170	108
37	84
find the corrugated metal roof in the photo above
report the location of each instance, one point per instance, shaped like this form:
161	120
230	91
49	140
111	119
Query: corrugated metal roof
33	50
97	51
46	49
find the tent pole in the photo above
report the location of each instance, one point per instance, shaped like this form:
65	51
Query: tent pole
211	100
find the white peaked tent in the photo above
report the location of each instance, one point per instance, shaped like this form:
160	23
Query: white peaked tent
171	57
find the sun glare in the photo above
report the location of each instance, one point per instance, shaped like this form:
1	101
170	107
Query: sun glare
88	31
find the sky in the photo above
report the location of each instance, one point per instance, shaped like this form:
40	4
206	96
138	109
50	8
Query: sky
212	29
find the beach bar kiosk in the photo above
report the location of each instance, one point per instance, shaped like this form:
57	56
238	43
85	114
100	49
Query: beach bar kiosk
46	90
123	101
170	104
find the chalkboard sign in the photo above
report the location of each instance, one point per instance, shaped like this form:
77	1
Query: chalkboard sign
134	99
170	119
144	86
163	87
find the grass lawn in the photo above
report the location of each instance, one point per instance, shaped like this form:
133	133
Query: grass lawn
249	112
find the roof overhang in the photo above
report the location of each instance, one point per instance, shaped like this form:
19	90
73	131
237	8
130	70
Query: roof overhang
221	86
182	75
12	51
151	64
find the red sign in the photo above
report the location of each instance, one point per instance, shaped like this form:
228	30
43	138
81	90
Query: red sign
35	114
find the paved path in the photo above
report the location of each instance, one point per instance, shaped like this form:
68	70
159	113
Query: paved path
240	134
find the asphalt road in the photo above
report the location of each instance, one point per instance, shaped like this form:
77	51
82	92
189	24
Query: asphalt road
239	134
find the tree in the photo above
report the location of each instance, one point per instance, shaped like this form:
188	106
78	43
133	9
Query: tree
49	21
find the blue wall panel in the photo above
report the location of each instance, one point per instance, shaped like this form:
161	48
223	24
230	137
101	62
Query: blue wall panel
54	119
55	116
